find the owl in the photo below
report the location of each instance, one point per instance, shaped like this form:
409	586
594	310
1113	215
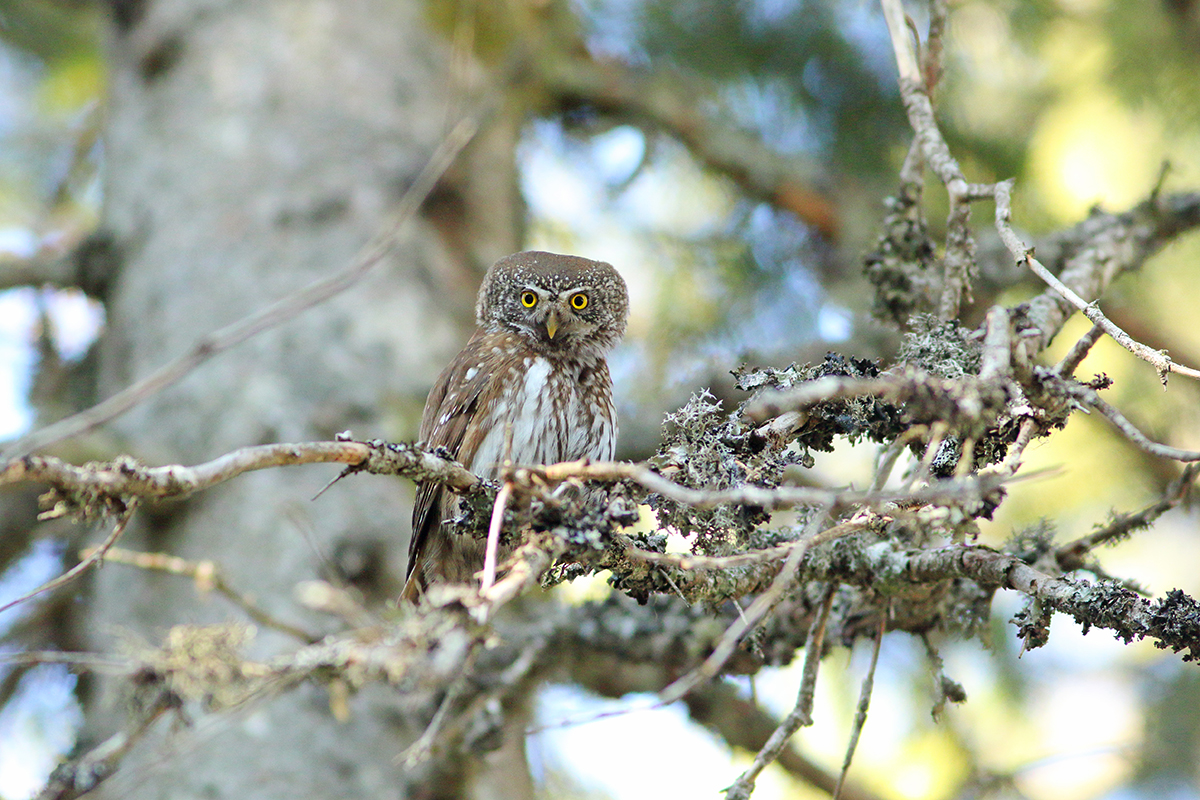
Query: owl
531	385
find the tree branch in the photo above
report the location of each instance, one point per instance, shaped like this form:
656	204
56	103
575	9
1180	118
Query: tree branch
94	557
668	101
1024	254
85	487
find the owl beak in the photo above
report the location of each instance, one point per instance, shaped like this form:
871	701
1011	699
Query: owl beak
552	324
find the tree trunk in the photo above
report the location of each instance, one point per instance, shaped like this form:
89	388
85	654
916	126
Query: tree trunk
253	147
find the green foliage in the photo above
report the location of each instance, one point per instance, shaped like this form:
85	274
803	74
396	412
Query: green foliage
799	68
48	30
1155	54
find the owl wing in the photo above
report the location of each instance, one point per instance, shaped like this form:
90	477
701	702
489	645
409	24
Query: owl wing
450	408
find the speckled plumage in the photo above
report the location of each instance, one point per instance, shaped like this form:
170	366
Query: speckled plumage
538	371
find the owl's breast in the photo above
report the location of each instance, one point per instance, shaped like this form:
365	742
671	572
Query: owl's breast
559	410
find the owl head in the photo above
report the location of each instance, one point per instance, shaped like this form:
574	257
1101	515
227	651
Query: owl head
563	305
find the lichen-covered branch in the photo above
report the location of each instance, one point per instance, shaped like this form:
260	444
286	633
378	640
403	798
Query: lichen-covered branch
1172	622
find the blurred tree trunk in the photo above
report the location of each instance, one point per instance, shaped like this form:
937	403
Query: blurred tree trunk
251	148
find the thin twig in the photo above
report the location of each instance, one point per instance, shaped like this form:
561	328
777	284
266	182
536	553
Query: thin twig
1012	461
920	472
864	702
800	715
92	560
1161	362
82	775
772	404
886	460
508	681
91	661
1023	253
944	688
264	319
420	750
744	725
493	538
712	666
633	707
206	575
525	568
1070	362
1070	555
932	54
1089	397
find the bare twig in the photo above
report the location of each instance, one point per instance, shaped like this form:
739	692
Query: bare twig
1023	253
886	460
282	310
1089	397
526	567
745	623
906	56
206	575
1070	362
864	703
800	715
80	776
422	748
92	560
91	661
493	538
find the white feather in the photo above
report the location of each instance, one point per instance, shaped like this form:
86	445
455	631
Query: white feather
535	422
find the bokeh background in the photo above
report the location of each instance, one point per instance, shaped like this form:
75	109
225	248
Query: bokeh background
1085	103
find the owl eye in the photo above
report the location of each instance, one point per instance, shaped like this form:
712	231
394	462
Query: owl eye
579	301
528	299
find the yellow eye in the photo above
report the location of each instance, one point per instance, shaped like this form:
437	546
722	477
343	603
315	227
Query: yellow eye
528	299
579	301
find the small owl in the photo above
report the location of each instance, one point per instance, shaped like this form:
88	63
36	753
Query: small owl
533	378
